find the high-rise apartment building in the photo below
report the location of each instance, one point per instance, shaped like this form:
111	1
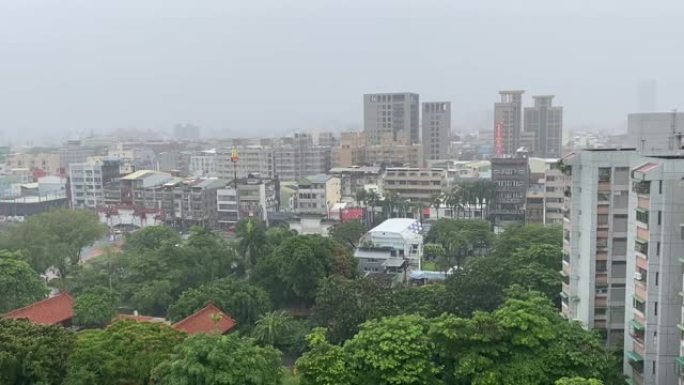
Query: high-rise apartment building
507	123
392	117
653	347
595	239
436	130
545	122
512	177
296	157
623	246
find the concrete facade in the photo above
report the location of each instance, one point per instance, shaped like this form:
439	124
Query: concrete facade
391	116
545	122
436	130
507	123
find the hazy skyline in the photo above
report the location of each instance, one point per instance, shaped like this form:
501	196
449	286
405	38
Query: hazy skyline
268	67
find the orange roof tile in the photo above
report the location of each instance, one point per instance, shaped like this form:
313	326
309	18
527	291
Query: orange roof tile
50	311
203	321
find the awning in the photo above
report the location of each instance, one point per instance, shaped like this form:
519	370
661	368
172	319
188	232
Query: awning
640	241
640	210
563	294
646	167
680	361
634	356
636	325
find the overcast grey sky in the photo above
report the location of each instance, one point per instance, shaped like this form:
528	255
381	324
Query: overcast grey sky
245	68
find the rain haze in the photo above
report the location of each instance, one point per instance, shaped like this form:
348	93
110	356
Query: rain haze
253	68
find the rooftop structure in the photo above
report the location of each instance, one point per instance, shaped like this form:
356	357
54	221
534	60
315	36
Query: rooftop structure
209	319
55	310
392	246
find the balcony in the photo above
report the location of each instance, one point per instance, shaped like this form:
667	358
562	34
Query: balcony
643	203
601	278
600	301
643	233
640	291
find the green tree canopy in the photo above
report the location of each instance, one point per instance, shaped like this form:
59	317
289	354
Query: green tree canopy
220	360
524	236
461	238
293	272
63	234
280	331
33	354
123	353
95	307
151	238
348	233
578	381
20	285
525	341
241	300
253	243
157	266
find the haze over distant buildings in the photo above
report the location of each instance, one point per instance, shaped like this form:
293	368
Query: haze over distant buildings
268	68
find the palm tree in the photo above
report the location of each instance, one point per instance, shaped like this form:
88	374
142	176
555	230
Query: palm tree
252	244
372	200
437	202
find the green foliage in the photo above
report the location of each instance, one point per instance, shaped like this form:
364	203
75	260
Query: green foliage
151	238
342	305
33	354
280	331
157	266
525	341
253	243
293	272
460	238
324	363
524	236
20	285
220	360
124	353
55	238
578	381
348	233
394	350
482	282
95	307
243	301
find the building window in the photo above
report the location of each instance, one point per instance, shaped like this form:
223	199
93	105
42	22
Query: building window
660	217
655	308
604	174
642	216
660	187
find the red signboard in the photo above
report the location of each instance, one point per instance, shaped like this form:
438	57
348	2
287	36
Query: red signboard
498	138
351	214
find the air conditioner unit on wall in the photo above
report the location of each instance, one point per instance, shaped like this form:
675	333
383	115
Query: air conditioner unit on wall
637	276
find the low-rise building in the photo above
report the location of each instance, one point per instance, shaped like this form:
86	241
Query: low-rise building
414	184
87	181
394	246
255	197
353	179
48	162
316	194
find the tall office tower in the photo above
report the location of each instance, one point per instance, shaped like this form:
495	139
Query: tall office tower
436	130
595	239
546	122
512	178
391	118
507	123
